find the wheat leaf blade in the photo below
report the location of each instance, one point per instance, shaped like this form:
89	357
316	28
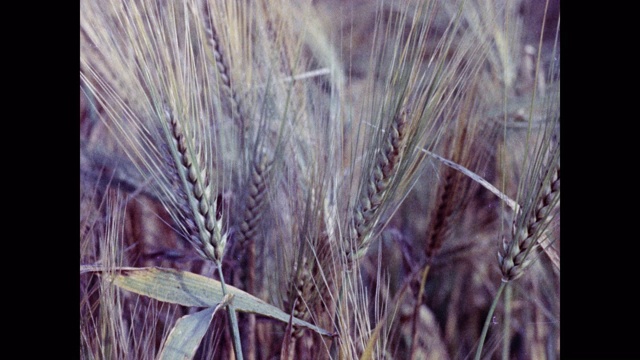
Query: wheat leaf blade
185	337
189	289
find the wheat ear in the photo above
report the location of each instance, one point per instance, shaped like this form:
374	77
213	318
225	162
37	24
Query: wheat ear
299	294
440	218
386	167
253	207
222	68
527	228
254	202
204	224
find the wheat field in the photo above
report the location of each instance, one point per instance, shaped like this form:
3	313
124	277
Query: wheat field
326	179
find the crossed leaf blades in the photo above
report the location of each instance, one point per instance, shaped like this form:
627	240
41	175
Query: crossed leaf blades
189	289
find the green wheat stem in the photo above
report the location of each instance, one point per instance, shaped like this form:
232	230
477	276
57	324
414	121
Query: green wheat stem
487	321
508	294
232	317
